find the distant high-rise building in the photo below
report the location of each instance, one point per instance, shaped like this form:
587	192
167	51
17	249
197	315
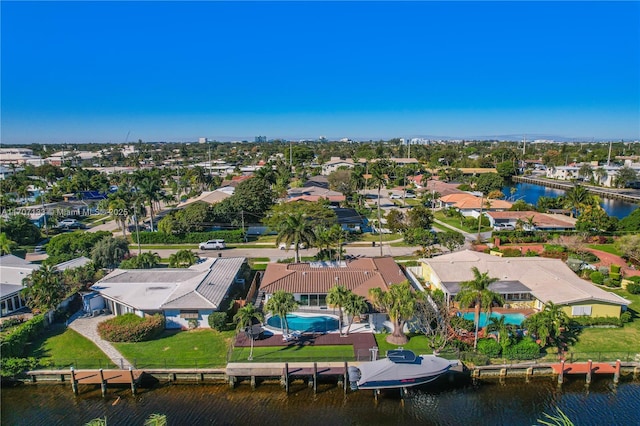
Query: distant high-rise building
203	140
260	139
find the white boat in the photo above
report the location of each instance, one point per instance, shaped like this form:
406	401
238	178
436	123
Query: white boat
400	369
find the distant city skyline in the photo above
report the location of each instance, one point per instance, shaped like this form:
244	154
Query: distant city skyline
78	72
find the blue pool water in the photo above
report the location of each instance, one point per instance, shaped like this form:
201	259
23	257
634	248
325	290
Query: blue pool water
319	323
515	319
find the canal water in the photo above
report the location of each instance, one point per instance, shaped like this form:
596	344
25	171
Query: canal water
530	193
512	402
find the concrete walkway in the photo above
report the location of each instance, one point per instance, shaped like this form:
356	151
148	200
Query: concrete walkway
88	327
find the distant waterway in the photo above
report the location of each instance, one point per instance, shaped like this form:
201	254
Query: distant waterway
512	402
530	193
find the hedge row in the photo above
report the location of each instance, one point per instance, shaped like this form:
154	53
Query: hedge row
588	321
12	345
12	367
633	288
236	236
131	328
524	349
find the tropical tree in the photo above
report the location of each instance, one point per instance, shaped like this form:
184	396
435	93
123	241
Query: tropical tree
149	187
244	321
504	330
182	259
629	246
108	252
45	289
5	244
548	324
146	260
624	176
577	198
476	293
433	319
586	171
399	302
337	297
355	305
119	211
601	174
377	180
280	304
452	240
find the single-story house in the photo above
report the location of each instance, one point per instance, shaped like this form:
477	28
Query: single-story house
210	197
310	282
13	270
352	221
524	282
314	193
541	221
335	163
469	204
179	294
319	181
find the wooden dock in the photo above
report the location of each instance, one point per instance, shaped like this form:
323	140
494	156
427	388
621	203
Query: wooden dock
92	377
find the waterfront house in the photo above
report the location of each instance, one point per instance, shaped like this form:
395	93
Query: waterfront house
524	282
13	270
310	282
470	205
180	295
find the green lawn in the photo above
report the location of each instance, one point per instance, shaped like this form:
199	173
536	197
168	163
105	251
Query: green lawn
180	349
63	347
451	221
623	341
607	248
376	237
295	353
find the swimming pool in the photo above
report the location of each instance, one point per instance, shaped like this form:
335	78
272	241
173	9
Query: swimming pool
515	319
306	323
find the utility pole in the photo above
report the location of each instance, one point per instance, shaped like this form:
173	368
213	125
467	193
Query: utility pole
243	233
524	146
609	157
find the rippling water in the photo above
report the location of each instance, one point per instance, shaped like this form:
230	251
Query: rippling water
513	402
530	193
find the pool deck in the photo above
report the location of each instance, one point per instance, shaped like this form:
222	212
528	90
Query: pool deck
361	342
524	311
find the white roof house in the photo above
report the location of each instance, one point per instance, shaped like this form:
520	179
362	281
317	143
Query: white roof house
546	279
198	290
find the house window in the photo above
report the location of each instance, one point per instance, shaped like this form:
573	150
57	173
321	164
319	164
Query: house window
304	300
189	314
577	311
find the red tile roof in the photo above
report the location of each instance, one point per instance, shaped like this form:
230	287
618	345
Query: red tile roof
359	276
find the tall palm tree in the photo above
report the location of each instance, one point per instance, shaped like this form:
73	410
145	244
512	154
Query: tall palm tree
601	174
280	304
244	318
577	198
296	229
149	189
400	304
119	211
337	297
355	305
379	179
476	292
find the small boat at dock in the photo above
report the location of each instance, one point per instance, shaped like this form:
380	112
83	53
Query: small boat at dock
400	369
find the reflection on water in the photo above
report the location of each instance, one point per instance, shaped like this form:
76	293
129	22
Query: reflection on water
512	402
530	193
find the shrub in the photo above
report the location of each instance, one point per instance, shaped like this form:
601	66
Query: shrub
12	345
475	358
218	321
615	269
604	271
633	288
236	236
635	279
610	282
511	252
524	349
626	317
461	323
11	367
530	253
131	328
489	347
597	277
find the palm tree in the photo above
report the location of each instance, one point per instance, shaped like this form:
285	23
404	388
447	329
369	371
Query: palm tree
5	244
379	179
337	297
586	171
530	223
400	304
182	259
499	324
296	229
45	288
476	292
576	198
280	304
148	260
149	187
601	174
355	305
244	318
119	211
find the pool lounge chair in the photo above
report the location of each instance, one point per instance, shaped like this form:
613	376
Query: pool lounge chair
294	335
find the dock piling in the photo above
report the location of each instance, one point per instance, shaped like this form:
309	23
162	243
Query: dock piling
103	383
589	370
286	377
315	378
561	375
133	382
253	382
74	382
346	377
616	375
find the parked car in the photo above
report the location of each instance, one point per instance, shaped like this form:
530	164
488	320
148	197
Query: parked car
213	245
395	196
292	246
70	224
503	227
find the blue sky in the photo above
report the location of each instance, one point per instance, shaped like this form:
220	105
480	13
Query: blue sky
169	71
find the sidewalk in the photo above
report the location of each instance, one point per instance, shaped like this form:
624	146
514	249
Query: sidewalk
88	327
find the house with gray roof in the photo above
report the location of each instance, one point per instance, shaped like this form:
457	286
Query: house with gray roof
13	270
179	294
